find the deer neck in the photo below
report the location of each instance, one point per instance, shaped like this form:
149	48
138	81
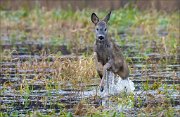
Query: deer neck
103	44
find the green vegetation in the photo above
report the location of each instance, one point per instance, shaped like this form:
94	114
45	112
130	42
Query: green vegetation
139	33
73	27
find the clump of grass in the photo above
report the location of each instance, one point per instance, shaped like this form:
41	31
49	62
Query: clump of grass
76	71
157	105
84	109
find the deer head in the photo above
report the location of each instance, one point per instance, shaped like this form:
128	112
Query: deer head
101	29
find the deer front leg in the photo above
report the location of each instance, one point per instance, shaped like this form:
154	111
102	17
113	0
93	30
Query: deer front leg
105	68
99	66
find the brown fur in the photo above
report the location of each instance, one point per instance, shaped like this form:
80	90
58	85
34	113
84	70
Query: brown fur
107	52
110	52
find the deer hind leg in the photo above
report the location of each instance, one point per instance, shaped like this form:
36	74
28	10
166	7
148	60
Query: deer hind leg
124	71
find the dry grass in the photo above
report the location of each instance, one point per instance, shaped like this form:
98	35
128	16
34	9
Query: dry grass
74	28
64	70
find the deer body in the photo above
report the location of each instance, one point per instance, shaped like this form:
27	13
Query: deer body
107	52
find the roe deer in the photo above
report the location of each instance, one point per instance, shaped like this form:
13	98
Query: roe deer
107	52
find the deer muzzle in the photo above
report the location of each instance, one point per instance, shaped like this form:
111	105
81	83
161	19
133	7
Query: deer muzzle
101	37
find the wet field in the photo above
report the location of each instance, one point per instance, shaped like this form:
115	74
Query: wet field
23	92
41	78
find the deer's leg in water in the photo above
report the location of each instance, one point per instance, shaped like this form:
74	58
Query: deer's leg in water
105	68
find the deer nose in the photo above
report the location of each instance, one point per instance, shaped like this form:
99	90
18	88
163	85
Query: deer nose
101	37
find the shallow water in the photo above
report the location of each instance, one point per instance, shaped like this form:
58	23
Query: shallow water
36	97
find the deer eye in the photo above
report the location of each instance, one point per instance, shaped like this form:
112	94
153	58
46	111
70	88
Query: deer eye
97	29
105	29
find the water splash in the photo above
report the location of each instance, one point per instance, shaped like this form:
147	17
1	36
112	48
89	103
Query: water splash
116	85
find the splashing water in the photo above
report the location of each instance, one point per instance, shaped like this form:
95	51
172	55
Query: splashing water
116	85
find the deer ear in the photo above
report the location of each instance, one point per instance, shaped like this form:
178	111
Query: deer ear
106	19
94	18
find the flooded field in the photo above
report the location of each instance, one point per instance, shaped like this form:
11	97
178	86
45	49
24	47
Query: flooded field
47	66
